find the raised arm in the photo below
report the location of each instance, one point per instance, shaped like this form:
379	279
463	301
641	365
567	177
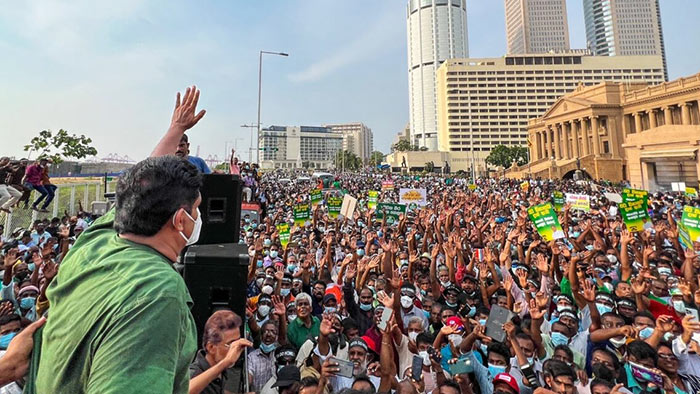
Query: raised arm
184	118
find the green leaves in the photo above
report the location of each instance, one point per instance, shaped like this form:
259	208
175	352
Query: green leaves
503	156
61	145
347	160
376	158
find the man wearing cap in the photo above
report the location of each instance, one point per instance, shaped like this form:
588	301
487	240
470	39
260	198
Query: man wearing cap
183	150
285	356
504	383
408	308
288	379
358	352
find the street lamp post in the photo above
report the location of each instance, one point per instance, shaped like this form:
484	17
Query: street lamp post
260	92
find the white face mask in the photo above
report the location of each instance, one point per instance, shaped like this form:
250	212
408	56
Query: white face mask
267	289
264	310
426	357
456	339
406	302
618	342
413	335
194	237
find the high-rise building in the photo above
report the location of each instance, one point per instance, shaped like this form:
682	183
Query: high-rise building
487	102
437	31
536	26
357	138
625	27
291	147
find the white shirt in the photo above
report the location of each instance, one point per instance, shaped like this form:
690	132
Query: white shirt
688	364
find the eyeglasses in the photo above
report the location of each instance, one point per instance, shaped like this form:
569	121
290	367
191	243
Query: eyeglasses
668	356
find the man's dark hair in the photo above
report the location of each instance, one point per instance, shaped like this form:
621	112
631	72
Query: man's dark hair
613	356
641	350
599	382
365	378
218	322
644	313
424	337
557	368
309	381
150	192
565	349
499	348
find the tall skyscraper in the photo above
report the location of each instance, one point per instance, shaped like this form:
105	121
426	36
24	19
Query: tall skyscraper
625	27
437	31
536	26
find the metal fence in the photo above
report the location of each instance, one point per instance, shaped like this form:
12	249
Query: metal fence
66	200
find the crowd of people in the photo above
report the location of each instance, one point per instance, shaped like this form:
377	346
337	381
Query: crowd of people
460	295
17	180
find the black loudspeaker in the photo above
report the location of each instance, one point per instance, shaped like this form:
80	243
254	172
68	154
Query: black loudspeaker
216	276
220	209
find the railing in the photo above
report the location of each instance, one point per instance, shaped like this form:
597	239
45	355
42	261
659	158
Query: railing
66	199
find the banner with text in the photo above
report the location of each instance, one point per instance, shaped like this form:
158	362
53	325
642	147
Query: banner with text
372	197
392	212
387	185
691	223
316	197
334	204
634	195
413	198
558	200
302	213
581	202
635	215
546	221
283	232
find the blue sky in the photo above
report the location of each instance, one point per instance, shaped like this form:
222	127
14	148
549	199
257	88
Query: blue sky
110	70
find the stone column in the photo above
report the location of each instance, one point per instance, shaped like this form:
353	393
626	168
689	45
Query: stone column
565	137
668	118
685	113
584	137
545	138
596	135
614	140
574	137
637	122
625	125
557	140
652	118
535	147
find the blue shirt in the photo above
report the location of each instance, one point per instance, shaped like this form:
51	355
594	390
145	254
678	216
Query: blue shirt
200	164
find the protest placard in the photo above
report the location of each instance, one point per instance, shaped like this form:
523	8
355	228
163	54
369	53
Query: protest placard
316	197
635	215
546	221
347	208
558	200
634	195
690	220
392	211
388	185
372	197
283	232
302	213
334	204
579	201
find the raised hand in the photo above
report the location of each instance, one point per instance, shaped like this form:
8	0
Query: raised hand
10	258
326	328
665	323
50	270
509	328
6	308
542	300
184	117
522	278
588	291
280	309
535	312
541	263
639	285
689	324
385	299
508	283
234	351
279	273
350	272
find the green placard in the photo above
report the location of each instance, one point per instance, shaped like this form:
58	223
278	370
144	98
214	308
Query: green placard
316	197
283	232
634	195
558	200
635	215
302	213
373	195
691	192
690	224
546	221
392	211
334	204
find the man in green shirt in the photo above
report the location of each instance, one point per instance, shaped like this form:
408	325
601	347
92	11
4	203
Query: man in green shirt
305	326
119	320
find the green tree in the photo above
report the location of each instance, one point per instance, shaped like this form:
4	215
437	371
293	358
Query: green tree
222	167
376	158
61	145
347	160
404	146
499	156
503	156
